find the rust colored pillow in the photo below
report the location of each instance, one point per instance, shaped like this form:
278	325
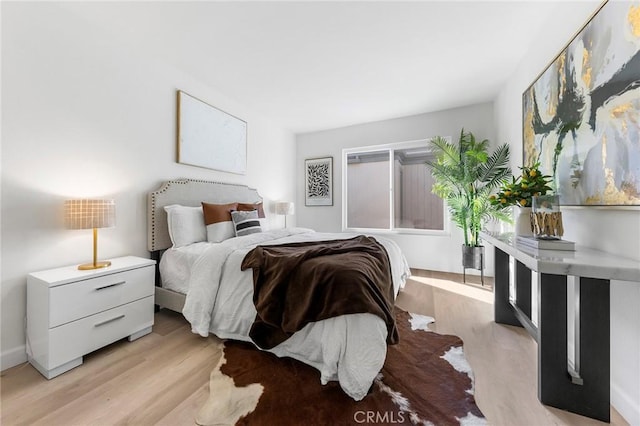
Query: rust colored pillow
217	219
247	207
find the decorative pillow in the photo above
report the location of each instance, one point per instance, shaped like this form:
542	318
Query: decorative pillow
217	219
248	207
246	222
259	207
185	224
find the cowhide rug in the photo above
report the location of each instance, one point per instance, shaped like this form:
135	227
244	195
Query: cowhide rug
425	380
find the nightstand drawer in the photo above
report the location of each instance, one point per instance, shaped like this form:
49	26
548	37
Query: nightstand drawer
80	337
80	299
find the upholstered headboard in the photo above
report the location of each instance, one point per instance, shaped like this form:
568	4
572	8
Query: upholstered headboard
188	192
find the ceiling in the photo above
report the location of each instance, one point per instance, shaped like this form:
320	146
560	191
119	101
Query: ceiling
316	65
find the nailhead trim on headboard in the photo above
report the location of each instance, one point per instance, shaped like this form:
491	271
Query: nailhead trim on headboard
189	192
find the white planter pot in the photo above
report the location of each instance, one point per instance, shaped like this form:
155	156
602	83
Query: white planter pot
522	221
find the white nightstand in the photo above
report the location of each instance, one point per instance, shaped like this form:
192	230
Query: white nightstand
71	312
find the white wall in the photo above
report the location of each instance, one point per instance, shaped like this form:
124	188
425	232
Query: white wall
434	252
615	231
88	114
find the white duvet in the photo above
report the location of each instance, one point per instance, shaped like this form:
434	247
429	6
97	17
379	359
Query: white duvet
348	348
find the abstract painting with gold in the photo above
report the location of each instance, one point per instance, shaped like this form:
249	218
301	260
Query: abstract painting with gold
581	117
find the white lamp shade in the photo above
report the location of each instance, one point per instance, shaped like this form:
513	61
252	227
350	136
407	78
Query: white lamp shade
284	208
87	214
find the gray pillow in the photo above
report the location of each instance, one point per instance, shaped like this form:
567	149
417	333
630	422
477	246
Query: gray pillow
245	222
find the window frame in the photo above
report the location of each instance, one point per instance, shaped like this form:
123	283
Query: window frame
391	148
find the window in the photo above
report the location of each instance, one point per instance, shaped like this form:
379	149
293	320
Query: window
388	187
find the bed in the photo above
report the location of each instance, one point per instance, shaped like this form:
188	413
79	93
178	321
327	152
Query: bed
204	281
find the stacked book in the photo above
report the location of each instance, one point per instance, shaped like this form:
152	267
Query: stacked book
542	244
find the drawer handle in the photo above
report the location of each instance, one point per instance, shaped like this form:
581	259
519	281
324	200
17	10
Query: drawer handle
109	320
109	285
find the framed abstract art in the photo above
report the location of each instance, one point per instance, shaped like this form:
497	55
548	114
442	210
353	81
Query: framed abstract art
209	137
581	116
318	182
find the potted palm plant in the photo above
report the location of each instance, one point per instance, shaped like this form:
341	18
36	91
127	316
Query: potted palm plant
465	176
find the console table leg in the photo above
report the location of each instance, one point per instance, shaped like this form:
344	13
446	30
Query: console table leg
523	288
595	343
555	386
503	312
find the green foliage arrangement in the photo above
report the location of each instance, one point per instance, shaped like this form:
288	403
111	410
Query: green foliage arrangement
465	176
521	189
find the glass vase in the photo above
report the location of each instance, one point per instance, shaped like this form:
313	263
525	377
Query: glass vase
546	217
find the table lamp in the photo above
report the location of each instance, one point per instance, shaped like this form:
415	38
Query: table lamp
90	214
284	208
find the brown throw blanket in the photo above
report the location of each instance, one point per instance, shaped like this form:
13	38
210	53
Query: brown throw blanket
299	283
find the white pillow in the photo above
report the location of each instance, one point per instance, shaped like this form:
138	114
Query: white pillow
186	225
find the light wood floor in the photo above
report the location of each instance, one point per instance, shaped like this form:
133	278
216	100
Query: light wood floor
163	378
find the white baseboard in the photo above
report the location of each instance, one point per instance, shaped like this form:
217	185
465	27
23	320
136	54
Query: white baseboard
13	357
625	405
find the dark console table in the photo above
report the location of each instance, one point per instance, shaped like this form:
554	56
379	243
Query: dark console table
583	387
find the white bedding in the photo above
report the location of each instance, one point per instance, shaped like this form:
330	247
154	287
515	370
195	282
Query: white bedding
349	348
176	265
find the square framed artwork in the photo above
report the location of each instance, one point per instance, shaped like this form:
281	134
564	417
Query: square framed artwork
581	116
318	182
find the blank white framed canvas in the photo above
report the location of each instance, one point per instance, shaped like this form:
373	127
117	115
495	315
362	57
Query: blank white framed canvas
209	137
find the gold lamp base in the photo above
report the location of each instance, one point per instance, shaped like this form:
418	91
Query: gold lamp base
97	265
